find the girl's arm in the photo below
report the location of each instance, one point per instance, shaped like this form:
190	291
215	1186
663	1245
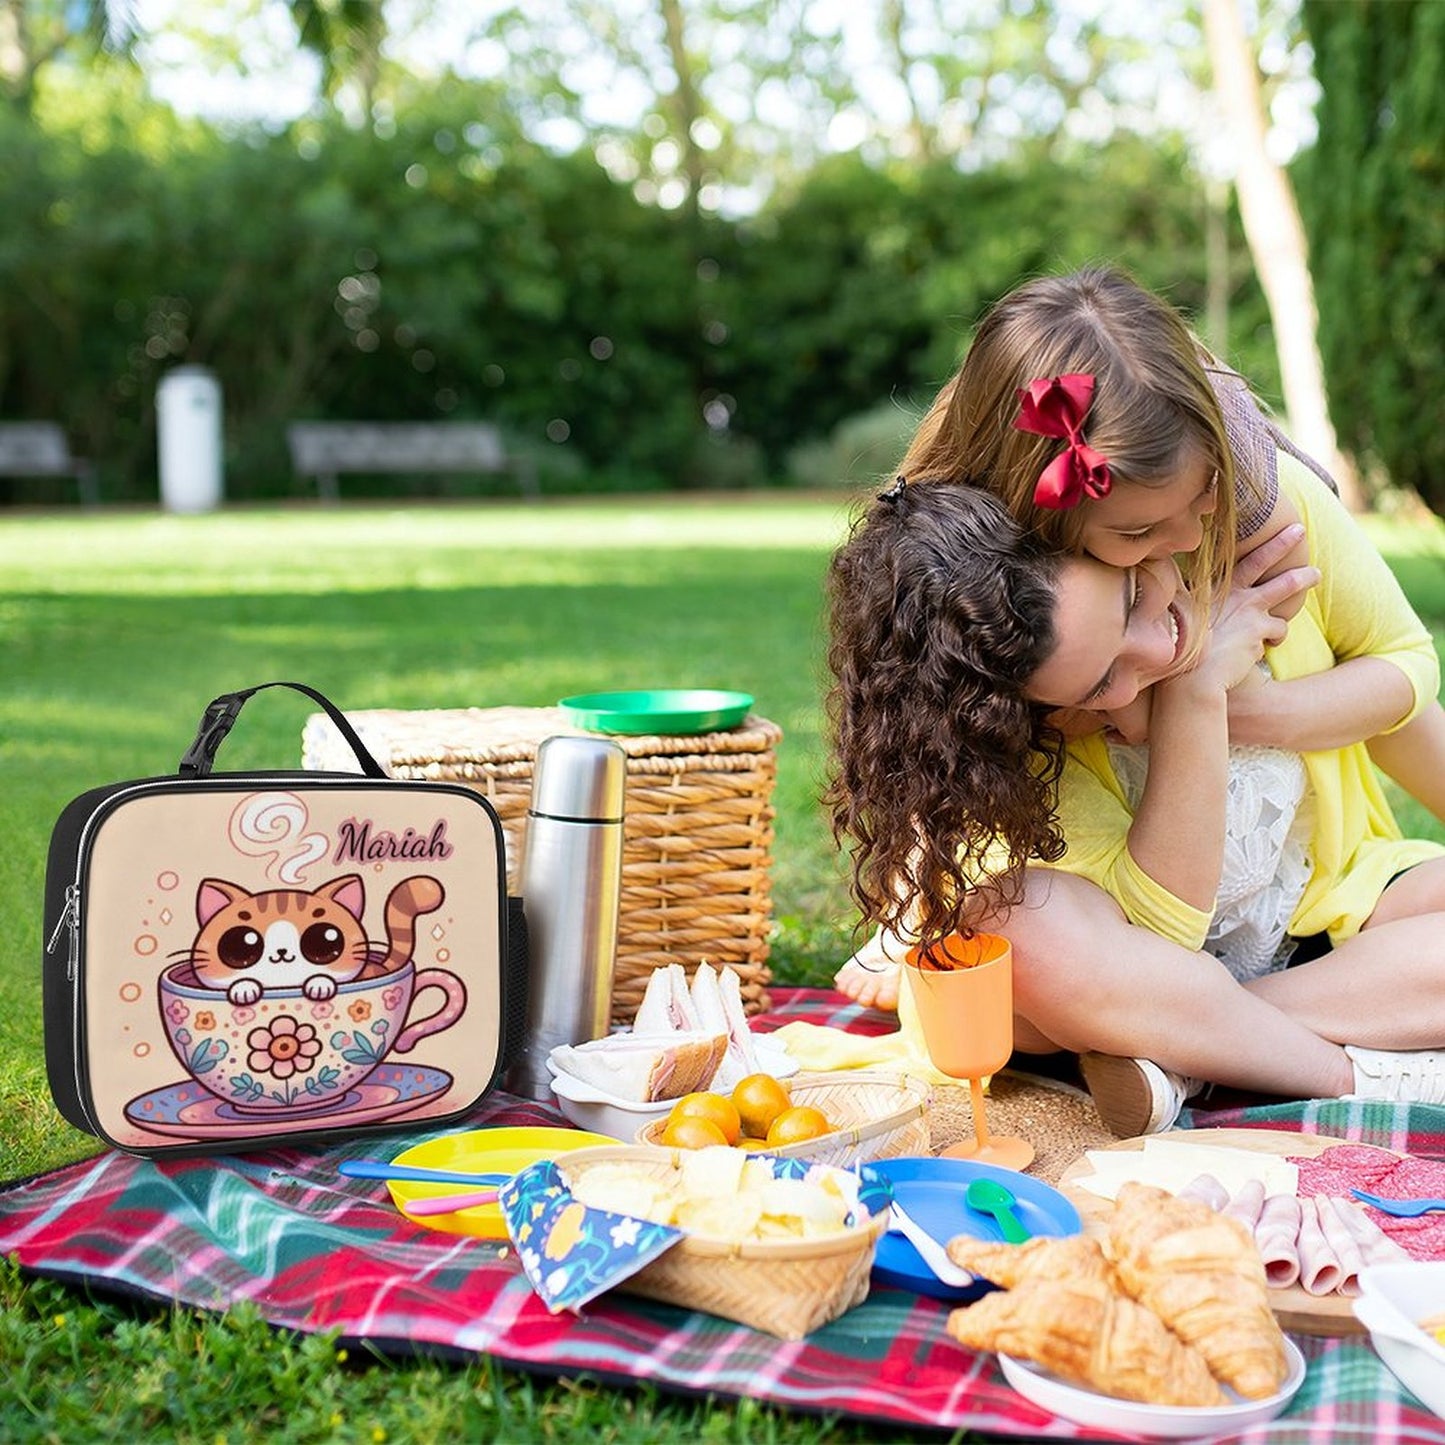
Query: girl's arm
1177	836
1380	670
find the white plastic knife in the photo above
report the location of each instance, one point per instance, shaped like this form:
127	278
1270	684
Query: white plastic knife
932	1252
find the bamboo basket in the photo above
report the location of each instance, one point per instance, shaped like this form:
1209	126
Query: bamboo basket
786	1288
697	835
878	1116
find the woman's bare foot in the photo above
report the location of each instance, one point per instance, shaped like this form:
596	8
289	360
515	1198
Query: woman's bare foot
870	977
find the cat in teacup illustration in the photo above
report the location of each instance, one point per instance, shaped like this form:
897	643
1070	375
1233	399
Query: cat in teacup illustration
251	943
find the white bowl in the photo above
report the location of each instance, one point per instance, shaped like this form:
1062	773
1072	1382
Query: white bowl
1151	1422
1393	1299
588	1107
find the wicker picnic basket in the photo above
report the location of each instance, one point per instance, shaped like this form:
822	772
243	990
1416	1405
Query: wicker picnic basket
785	1287
697	836
878	1116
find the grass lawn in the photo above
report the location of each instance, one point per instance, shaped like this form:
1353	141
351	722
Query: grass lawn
115	630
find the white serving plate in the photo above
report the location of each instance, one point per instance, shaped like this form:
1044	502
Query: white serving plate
1155	1422
1393	1299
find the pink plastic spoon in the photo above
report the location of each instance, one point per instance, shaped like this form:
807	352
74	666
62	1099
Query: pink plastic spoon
450	1203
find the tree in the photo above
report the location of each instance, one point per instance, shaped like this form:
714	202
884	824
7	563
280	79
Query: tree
1374	196
1276	239
346	36
34	33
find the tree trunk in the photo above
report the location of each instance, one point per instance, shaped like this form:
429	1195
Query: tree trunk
688	108
1276	238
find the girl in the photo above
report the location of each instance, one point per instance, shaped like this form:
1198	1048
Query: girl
956	638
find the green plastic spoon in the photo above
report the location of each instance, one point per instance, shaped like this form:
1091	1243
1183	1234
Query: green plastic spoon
990	1197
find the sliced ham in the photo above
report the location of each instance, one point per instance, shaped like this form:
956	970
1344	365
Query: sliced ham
1207	1190
1376	1247
1276	1233
1340	1241
1319	1268
1247	1203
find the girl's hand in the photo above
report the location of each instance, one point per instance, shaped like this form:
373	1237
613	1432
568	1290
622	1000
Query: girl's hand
1298	555
1246	622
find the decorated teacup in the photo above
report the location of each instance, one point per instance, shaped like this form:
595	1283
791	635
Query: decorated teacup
289	1053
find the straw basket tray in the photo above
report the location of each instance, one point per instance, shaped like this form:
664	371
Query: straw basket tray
878	1116
786	1287
697	835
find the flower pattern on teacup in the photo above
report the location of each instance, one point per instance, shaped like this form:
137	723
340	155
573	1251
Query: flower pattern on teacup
205	1019
359	1009
285	1048
391	998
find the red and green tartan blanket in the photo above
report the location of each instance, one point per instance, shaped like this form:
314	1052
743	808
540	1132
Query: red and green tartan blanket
314	1251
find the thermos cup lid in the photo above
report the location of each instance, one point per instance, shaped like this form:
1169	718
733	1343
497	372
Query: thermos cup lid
581	778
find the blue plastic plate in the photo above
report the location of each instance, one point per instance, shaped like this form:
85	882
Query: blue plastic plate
932	1190
660	711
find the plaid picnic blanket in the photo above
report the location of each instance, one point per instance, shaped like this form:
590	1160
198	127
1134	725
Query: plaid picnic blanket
314	1251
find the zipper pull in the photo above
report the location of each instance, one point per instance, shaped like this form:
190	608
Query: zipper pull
69	918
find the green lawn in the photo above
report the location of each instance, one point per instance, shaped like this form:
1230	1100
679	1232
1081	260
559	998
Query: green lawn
114	633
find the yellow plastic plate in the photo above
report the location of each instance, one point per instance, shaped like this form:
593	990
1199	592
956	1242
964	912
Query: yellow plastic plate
481	1151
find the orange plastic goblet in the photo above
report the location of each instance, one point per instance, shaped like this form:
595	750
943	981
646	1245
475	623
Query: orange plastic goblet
963	992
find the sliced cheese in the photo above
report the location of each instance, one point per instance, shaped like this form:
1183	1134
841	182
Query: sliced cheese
1172	1163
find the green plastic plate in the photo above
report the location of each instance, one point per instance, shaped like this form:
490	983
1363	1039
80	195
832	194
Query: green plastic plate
661	710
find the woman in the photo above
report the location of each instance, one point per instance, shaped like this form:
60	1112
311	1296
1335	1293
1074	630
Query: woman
957	640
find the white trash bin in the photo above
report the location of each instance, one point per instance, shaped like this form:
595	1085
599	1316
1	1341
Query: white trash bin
188	431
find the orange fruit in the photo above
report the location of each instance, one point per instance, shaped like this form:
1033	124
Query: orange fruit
753	1145
760	1098
800	1122
691	1133
715	1108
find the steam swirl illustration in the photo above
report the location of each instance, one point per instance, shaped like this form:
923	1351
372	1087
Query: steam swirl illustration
273	825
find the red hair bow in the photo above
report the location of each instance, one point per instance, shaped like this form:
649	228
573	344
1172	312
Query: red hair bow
1056	407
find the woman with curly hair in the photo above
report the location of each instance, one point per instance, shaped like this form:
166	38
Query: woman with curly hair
957	642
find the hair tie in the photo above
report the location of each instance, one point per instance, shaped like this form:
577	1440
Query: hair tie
893	493
1056	407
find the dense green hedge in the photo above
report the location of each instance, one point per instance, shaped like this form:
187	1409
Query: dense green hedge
446	268
1373	195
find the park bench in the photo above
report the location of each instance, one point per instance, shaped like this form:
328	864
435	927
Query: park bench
327	450
39	449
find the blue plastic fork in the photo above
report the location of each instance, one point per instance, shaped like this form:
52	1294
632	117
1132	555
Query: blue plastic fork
1402	1208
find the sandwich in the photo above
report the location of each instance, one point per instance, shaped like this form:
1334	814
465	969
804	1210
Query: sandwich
645	1068
684	1038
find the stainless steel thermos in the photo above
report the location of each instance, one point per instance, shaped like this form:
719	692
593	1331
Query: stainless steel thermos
570	881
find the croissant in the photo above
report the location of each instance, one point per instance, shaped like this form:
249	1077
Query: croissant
1088	1334
1077	1256
1201	1273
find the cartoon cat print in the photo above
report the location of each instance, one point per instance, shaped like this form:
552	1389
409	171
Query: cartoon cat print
250	943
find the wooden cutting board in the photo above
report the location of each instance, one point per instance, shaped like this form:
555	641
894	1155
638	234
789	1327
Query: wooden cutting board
1295	1308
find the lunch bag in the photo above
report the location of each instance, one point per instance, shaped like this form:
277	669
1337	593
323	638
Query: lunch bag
241	959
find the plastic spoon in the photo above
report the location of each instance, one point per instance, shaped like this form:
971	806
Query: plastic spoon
988	1196
450	1203
380	1169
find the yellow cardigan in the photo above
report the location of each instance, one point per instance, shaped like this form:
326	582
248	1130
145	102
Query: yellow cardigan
1357	610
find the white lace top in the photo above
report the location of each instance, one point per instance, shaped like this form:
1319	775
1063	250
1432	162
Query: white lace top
1268	816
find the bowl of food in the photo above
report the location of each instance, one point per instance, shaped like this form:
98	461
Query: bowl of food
782	1245
866	1115
1403	1307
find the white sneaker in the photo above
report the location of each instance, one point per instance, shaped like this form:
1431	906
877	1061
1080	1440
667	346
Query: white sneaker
1407	1076
1135	1096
